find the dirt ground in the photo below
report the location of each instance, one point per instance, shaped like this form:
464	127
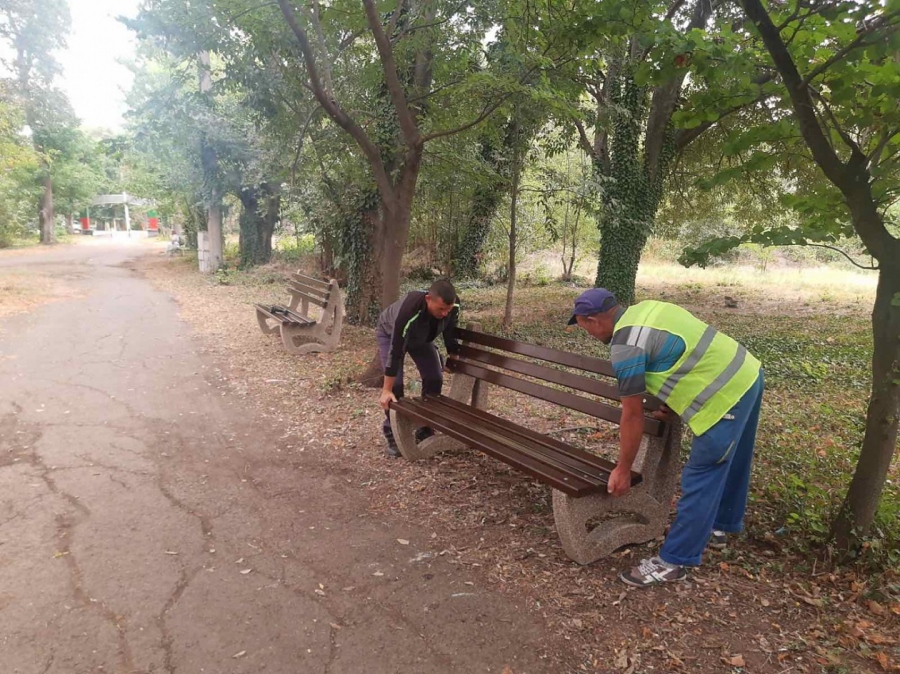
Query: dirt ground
177	494
752	608
152	521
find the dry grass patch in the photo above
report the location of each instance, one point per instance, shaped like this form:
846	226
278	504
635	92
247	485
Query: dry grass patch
21	292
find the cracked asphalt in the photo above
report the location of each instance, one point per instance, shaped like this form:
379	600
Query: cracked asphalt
145	525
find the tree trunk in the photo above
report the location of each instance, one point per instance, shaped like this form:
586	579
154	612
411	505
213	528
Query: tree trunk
511	280
858	510
250	220
271	217
210	166
485	202
70	223
256	224
365	295
632	197
361	252
46	215
622	241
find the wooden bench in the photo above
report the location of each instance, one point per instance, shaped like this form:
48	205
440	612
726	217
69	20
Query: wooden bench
590	523
300	332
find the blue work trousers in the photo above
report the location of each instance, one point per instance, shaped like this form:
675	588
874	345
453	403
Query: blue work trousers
715	481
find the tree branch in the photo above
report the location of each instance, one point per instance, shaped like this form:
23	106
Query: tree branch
673	9
331	107
309	119
812	132
407	123
844	253
323	48
486	112
848	141
664	101
432	24
395	17
860	41
585	141
684	137
875	156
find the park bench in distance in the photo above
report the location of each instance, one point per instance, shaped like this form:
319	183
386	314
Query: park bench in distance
300	333
590	523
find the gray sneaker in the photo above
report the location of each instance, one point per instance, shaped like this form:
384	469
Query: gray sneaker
718	540
653	571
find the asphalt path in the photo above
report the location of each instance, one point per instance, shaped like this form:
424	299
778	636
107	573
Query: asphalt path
146	525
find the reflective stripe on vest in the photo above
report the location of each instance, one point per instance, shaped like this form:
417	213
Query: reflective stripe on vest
689	363
710	377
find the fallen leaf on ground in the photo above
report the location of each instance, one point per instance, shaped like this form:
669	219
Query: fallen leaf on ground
735	661
240	654
875	607
402	541
246	571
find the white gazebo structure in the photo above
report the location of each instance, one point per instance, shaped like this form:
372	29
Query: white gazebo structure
125	199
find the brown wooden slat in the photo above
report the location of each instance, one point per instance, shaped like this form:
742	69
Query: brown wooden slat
475	415
287	317
565	482
553	452
320	298
312	299
563	398
578	361
575	381
565	461
311	281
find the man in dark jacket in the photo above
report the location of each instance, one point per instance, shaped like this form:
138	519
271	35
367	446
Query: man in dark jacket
410	325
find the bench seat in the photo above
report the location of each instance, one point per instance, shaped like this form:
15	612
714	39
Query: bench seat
562	466
590	522
300	332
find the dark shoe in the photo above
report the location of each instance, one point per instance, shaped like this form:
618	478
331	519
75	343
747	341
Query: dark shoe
392	451
653	571
424	433
718	540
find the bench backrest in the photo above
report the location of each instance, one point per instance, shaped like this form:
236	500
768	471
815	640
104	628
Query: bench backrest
315	291
511	364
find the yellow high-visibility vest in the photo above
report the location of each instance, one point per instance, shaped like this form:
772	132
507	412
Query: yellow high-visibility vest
710	377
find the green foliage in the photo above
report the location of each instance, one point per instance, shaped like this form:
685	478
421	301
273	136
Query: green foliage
18	164
294	249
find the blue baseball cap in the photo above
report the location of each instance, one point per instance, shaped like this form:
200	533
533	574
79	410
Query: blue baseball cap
593	301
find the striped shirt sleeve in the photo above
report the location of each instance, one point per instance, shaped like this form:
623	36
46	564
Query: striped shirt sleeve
630	365
636	350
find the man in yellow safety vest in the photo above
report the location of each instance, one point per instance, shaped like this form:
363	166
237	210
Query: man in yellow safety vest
714	384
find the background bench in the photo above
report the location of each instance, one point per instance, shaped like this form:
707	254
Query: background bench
590	523
300	332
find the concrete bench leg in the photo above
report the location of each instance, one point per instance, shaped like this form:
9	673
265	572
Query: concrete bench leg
263	321
591	527
464	389
635	518
461	389
299	339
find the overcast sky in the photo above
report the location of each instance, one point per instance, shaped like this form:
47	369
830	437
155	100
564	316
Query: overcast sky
93	78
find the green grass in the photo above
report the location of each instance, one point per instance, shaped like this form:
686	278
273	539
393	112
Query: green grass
817	365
